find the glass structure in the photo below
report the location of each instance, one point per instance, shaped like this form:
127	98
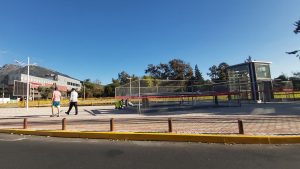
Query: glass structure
250	79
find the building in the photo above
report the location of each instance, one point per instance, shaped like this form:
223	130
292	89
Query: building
252	80
16	81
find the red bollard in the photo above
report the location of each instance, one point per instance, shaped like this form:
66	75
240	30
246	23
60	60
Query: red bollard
241	126
64	124
112	125
25	123
170	125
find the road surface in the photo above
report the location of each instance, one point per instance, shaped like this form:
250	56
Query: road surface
32	152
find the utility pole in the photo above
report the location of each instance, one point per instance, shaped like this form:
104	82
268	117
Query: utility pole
28	85
3	93
83	92
129	86
27	97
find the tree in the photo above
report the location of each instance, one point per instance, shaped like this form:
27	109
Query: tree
198	75
180	70
176	69
213	72
222	71
161	71
296	74
91	89
219	73
296	31
109	90
282	77
45	92
248	60
149	81
123	77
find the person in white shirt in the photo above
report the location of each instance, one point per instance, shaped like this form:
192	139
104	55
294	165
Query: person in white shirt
73	102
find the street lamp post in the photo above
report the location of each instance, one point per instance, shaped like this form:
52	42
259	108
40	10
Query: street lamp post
129	86
83	91
139	96
27	91
3	93
27	100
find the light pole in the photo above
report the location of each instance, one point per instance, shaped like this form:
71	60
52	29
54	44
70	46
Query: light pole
139	96
129	86
27	100
27	91
83	91
3	93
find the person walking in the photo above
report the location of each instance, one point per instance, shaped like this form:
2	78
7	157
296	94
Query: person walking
73	102
56	97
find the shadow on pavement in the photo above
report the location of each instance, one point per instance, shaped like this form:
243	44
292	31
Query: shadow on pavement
274	109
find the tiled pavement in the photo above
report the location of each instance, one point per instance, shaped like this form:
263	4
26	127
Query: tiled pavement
258	119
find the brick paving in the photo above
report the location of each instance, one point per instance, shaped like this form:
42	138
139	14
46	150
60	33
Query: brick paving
258	119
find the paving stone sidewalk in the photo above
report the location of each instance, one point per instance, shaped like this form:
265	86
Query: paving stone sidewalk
258	119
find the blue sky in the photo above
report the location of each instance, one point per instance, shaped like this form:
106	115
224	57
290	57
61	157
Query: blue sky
97	39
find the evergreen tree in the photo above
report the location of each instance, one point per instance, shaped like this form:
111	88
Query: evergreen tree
218	73
198	75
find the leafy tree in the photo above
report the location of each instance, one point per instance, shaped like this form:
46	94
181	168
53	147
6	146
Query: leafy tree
149	81
165	71
218	73
222	71
180	70
176	69
296	74
161	71
109	90
198	75
213	72
91	89
296	31
123	77
282	77
45	92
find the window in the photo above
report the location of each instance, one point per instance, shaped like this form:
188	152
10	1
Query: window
262	71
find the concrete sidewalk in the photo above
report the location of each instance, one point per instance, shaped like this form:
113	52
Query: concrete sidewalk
258	119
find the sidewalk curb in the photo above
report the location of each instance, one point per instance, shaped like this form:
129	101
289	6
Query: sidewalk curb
204	138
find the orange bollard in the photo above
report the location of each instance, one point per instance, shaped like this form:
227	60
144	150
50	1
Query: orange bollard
241	126
64	124
112	127
170	125
25	123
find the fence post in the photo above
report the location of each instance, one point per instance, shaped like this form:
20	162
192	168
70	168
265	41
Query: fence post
170	125
241	127
64	123
112	127
25	123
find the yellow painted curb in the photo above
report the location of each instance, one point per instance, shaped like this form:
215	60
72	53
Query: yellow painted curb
204	138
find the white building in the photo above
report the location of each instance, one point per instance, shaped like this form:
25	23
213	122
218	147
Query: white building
40	76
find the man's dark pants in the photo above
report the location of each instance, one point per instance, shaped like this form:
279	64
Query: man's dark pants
71	106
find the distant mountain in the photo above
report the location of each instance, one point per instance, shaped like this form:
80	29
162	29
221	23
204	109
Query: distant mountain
37	71
7	69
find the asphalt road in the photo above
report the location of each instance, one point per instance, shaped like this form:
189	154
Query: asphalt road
32	152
